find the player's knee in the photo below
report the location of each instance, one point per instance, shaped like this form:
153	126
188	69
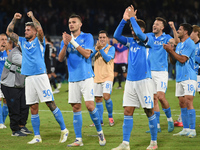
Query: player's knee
149	112
52	106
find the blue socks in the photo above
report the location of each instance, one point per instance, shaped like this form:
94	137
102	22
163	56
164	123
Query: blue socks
153	127
59	118
77	122
1	114
157	113
184	116
95	118
99	107
35	120
167	112
4	112
127	127
192	118
109	106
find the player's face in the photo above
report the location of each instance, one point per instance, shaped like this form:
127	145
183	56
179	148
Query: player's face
103	39
74	24
157	26
3	42
180	32
194	35
30	32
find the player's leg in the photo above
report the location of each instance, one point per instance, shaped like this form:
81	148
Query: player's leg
191	115
130	100
87	87
145	94
59	118
74	99
1	116
98	93
44	92
166	109
107	90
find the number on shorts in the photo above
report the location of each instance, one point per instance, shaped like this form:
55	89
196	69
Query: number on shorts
163	85
190	87
91	92
198	84
147	99
46	93
107	85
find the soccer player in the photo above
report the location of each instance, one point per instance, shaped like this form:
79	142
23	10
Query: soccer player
159	70
104	75
12	86
195	36
3	56
37	84
77	47
138	88
185	78
120	61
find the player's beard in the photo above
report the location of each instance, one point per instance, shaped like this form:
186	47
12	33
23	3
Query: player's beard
28	38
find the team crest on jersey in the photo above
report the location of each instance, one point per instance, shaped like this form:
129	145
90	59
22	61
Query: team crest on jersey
29	46
82	40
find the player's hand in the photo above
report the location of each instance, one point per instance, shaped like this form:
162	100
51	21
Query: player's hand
30	14
114	41
98	46
131	12
126	16
168	47
64	36
171	24
17	16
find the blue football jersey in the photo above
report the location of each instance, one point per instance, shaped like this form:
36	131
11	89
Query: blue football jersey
3	57
186	70
79	68
138	59
158	56
32	56
197	54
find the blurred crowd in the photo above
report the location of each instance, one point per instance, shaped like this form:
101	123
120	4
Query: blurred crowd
96	15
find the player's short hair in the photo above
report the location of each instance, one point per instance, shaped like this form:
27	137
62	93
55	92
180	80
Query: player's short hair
76	16
30	24
141	23
196	28
187	27
103	31
3	34
162	20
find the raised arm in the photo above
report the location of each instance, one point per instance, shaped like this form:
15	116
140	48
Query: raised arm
118	32
9	31
37	26
171	24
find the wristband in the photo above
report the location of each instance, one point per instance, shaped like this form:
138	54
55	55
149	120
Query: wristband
74	43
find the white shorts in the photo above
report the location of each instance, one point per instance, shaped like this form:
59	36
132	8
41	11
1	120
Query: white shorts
100	88
198	83
37	87
1	94
160	81
187	87
138	93
77	89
